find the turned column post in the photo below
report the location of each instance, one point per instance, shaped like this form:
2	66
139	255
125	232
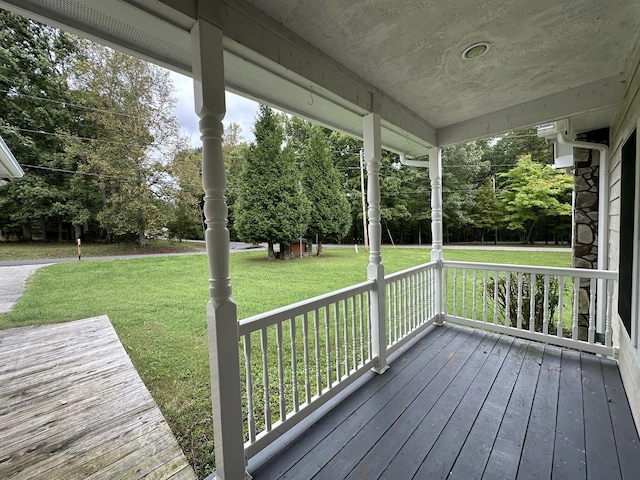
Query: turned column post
222	319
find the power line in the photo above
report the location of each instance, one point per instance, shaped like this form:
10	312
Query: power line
67	104
68	136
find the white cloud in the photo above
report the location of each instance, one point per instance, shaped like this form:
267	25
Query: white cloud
239	110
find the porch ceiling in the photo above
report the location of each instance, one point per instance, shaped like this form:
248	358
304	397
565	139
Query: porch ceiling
335	60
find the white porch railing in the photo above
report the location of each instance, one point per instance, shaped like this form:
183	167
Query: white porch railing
410	303
546	304
298	357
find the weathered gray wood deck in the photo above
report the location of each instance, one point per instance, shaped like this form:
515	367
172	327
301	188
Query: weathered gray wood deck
467	404
73	406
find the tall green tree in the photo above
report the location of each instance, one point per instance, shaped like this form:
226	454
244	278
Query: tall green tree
330	211
532	192
185	218
34	121
139	136
271	205
487	213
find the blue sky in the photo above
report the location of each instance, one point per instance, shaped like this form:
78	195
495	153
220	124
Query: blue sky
239	110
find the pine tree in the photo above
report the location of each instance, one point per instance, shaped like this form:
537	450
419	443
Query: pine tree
330	210
271	205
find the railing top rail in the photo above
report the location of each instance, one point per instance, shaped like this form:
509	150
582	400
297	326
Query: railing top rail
262	320
410	271
567	272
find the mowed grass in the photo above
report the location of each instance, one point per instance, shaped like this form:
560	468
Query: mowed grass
157	306
37	250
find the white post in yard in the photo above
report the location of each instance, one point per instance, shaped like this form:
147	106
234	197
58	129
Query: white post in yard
222	320
435	174
375	270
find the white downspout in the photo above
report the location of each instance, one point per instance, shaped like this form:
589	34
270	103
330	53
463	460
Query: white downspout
603	218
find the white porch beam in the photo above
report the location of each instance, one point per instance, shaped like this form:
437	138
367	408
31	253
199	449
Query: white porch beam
435	175
222	319
375	270
580	100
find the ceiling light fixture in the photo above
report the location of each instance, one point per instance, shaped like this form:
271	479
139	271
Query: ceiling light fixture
476	50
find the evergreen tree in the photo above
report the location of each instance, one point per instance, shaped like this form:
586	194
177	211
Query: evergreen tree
330	211
271	205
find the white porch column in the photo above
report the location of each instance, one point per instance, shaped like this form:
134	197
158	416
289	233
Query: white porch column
375	270
222	320
435	174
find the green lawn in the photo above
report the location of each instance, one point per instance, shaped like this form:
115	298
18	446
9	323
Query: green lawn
157	306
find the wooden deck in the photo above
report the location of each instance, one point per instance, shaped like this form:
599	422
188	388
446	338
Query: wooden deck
467	404
73	406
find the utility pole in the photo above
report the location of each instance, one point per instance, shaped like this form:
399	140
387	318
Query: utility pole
364	203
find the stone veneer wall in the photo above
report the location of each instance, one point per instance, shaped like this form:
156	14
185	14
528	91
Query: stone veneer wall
585	228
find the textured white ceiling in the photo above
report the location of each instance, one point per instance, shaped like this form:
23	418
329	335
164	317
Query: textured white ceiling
412	48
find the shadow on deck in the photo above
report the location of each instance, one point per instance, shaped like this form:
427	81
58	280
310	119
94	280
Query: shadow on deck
73	406
468	404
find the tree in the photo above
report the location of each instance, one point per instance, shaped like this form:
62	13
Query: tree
185	220
271	205
138	138
487	210
34	120
330	212
531	192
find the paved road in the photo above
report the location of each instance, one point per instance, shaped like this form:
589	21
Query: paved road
12	281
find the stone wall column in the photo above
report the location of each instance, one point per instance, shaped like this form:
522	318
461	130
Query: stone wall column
585	228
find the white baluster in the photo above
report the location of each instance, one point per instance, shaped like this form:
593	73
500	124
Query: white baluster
519	314
251	421
608	329
576	303
533	292
496	284
473	294
464	293
361	318
327	327
507	299
545	311
283	410
592	311
559	325
265	380
455	292
354	345
485	307
294	365
316	330
307	374
336	311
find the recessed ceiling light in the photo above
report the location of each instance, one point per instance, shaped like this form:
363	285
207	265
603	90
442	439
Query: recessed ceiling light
476	50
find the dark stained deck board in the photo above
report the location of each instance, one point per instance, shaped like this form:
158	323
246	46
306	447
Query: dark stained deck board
73	406
408	460
510	438
426	411
424	393
569	461
496	407
624	430
598	431
479	421
536	461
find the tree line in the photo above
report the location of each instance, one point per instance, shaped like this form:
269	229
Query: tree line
94	131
